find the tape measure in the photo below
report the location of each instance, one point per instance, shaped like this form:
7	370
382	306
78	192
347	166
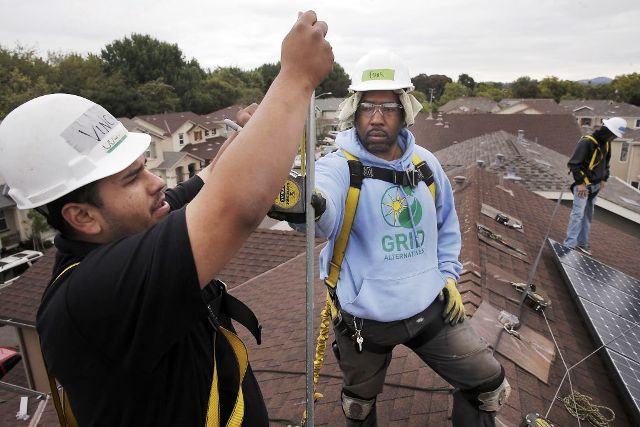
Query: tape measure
291	198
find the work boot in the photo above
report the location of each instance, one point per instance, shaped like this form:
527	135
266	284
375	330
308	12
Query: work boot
370	421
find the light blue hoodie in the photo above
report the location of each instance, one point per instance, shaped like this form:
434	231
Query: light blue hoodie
397	259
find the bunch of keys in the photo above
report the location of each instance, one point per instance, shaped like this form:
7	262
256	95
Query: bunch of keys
358	335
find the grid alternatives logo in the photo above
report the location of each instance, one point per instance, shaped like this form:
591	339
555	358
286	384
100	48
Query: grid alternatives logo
399	207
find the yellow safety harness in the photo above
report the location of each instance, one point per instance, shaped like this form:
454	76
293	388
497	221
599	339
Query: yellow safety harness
67	418
330	310
595	161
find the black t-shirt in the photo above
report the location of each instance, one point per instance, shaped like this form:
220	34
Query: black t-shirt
126	331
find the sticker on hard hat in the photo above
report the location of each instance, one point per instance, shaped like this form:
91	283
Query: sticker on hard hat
378	74
289	195
95	128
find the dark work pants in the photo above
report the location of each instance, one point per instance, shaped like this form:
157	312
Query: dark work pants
457	353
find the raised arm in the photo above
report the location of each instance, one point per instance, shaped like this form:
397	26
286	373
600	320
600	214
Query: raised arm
245	180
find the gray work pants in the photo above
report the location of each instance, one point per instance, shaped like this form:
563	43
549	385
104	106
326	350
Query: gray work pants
457	353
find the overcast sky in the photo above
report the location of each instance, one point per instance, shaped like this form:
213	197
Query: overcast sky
491	40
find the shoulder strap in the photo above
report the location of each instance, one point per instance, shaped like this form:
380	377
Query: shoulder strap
62	405
594	162
351	204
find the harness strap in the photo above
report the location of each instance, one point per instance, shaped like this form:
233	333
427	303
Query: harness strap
594	158
242	357
62	405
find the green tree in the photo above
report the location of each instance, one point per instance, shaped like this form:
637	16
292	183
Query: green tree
142	58
337	82
217	93
268	73
38	226
71	72
495	91
552	87
627	87
525	87
453	91
113	93
437	82
156	97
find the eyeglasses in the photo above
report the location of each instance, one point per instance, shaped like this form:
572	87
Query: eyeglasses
386	109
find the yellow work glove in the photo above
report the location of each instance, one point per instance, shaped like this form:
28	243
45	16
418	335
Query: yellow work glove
454	309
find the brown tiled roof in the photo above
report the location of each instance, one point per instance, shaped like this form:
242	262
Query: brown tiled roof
559	132
264	250
539	168
20	300
170	122
205	150
543	105
600	108
469	105
224	113
278	298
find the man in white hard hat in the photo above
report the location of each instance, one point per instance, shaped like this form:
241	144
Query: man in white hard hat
395	281
589	165
133	325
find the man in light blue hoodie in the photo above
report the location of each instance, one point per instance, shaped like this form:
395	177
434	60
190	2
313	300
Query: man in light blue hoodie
397	281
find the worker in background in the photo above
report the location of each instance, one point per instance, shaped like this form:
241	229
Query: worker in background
397	282
130	331
589	165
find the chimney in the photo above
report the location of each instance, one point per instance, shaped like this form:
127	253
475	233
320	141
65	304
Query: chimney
459	180
499	159
520	139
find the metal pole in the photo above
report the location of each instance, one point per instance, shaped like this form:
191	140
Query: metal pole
310	237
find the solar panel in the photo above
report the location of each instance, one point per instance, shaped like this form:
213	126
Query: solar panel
628	376
597	270
610	302
621	303
613	331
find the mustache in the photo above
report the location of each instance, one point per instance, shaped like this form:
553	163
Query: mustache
377	131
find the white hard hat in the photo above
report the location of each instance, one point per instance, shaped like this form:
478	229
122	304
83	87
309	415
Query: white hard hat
58	143
616	125
380	70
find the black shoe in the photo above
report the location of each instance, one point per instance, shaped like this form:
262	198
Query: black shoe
585	251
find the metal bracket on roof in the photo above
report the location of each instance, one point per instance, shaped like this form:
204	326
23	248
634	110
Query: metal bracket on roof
537	301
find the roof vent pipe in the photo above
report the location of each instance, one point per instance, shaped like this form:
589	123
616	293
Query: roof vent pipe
480	163
520	136
499	158
459	179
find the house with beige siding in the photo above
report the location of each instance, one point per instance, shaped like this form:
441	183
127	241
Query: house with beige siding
590	113
625	158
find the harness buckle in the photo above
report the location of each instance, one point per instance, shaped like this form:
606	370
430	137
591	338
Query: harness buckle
413	177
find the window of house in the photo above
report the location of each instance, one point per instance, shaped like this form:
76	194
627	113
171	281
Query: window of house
181	138
3	221
585	121
151	151
192	169
638	123
635	184
206	133
624	152
197	135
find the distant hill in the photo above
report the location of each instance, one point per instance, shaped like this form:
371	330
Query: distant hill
596	81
